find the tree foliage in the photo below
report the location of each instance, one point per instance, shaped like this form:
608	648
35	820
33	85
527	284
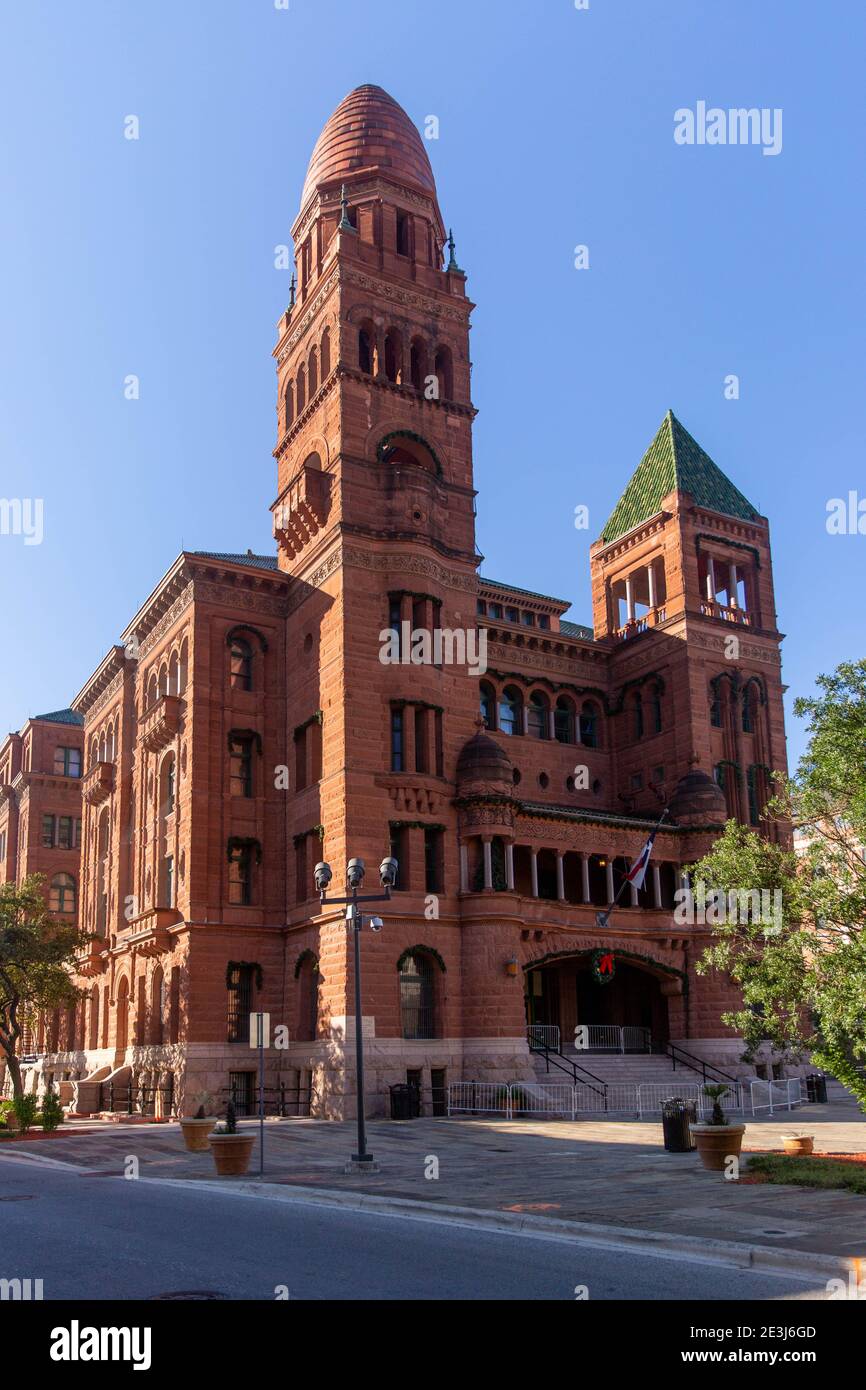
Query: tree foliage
803	980
37	953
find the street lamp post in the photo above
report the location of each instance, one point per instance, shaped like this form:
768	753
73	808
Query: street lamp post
355	920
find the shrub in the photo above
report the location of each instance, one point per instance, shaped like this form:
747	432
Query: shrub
25	1108
52	1110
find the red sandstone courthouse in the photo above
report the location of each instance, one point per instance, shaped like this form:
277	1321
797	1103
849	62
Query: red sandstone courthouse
247	726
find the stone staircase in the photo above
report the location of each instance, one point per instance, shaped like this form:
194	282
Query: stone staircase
615	1068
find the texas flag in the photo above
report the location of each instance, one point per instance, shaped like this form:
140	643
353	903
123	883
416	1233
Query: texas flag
637	872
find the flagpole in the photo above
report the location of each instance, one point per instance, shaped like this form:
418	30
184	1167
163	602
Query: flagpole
602	918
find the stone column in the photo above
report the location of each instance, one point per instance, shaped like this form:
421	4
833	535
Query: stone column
609	876
509	866
524	717
711	579
657	885
732	586
551	723
533	853
651	579
464	867
560	876
633	895
584	877
488	861
629	599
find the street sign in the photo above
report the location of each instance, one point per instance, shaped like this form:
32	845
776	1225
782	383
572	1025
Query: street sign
260	1030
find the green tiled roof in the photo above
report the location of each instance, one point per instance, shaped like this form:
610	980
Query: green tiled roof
61	716
674	461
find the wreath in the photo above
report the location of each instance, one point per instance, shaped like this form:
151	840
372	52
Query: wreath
603	966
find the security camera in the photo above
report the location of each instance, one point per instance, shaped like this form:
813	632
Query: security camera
323	876
376	924
355	873
388	872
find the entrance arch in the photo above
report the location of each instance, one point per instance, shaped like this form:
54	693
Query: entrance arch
562	991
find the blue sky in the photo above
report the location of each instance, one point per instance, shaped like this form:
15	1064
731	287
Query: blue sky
156	257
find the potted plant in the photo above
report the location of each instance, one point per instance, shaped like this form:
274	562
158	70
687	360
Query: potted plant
196	1129
231	1150
798	1143
717	1140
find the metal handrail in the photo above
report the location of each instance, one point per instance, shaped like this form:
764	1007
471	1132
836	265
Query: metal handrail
697	1063
566	1064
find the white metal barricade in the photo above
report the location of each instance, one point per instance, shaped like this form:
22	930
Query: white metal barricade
543	1035
478	1098
543	1098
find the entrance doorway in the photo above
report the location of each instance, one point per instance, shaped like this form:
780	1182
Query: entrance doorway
565	993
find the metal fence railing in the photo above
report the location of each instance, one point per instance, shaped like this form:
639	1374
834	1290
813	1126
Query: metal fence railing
542	1036
609	1037
560	1100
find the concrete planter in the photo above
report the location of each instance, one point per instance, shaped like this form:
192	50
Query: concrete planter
798	1143
231	1153
197	1132
717	1143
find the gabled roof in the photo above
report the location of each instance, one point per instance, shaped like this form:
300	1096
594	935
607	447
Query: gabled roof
674	461
61	716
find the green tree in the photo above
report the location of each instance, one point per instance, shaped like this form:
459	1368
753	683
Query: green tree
37	953
803	976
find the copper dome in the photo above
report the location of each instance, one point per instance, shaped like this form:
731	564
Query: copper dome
369	131
698	800
484	766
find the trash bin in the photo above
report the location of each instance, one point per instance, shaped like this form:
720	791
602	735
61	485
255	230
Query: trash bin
816	1089
677	1115
405	1102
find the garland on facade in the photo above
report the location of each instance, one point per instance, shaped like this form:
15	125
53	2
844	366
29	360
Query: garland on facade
603	966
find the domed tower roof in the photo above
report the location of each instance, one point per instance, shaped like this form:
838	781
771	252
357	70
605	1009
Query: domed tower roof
369	132
698	800
484	768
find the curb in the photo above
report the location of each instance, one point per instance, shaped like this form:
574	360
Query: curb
802	1263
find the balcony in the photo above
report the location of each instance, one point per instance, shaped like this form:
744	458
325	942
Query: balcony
302	509
638	625
727	614
93	960
98	783
160	725
148	932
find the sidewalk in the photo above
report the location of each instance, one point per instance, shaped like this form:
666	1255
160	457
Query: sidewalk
615	1173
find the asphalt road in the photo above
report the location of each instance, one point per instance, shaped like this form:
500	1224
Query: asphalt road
90	1237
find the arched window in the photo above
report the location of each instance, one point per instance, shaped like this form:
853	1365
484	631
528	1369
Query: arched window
61	896
655	709
152	691
511	711
313	372
563	720
157	1006
394	357
289	400
749	699
443	372
300	390
308	997
488	705
183	665
122	1015
173	681
167	780
325	354
589	725
416	996
538	715
241	664
93	1035
637	710
365	351
418	363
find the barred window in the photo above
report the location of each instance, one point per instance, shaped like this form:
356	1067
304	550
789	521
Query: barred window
240	1002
